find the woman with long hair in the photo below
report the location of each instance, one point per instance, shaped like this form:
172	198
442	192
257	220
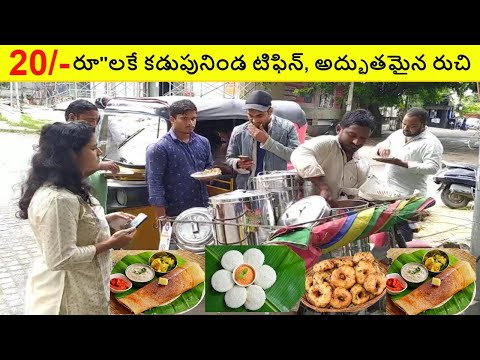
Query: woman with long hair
72	274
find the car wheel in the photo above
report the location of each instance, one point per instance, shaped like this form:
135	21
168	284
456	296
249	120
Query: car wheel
452	200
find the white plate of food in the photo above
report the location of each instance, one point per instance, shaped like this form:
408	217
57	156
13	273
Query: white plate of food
207	174
380	158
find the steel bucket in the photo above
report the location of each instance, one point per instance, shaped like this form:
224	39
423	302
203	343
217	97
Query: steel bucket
345	207
286	188
238	212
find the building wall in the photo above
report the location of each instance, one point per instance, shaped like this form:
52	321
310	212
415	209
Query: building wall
25	88
315	113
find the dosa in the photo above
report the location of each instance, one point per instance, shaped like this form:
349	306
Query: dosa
455	278
180	279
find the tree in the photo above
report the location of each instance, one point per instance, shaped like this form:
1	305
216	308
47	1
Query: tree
403	95
470	105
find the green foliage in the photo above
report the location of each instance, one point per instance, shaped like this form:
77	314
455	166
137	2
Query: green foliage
384	94
26	124
470	104
321	87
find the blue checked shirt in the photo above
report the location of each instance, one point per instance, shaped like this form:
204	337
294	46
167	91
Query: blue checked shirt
169	163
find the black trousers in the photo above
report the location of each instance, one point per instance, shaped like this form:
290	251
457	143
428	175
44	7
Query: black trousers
403	233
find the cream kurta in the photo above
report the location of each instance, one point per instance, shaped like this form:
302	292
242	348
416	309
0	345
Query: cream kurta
423	153
68	278
323	156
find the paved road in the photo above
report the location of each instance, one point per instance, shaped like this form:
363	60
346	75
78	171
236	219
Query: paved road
18	247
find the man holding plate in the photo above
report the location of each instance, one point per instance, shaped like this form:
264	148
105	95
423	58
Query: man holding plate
172	160
411	154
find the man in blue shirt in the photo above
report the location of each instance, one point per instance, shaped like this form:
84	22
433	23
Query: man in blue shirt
171	161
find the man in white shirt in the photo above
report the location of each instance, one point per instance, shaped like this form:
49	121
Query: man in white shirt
411	154
331	162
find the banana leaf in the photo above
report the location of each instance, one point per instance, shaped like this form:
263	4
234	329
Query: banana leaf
186	301
280	297
457	304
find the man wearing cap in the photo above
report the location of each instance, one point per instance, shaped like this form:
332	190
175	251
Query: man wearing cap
267	140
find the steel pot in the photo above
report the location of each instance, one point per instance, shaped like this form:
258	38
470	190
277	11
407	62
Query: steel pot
307	212
286	188
238	212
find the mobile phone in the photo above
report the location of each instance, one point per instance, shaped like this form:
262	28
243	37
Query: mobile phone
139	219
244	158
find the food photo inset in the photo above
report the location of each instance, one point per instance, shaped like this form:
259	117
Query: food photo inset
265	278
345	284
163	282
439	281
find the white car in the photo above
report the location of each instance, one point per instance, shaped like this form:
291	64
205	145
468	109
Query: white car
473	123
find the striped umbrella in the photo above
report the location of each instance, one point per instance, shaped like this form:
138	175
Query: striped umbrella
341	231
330	236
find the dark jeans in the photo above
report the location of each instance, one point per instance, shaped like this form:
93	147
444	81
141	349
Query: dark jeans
403	233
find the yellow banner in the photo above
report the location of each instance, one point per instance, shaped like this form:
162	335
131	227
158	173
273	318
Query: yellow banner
240	63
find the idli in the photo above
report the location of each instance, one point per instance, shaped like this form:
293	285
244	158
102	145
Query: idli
255	297
254	257
266	277
236	297
222	280
231	259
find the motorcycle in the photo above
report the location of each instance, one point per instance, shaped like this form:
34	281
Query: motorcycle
457	184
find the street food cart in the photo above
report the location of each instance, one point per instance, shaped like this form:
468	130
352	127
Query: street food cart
128	125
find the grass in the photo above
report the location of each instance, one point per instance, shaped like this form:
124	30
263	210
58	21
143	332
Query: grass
26	124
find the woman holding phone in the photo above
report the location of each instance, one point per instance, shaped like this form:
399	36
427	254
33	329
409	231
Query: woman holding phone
72	273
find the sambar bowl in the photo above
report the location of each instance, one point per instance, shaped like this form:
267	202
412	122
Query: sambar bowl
435	261
163	262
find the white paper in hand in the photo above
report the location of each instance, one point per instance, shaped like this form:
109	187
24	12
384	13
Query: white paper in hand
165	237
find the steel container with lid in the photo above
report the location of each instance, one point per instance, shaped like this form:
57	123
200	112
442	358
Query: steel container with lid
236	211
307	212
285	185
193	230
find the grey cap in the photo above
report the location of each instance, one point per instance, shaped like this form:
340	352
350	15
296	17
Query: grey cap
258	100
